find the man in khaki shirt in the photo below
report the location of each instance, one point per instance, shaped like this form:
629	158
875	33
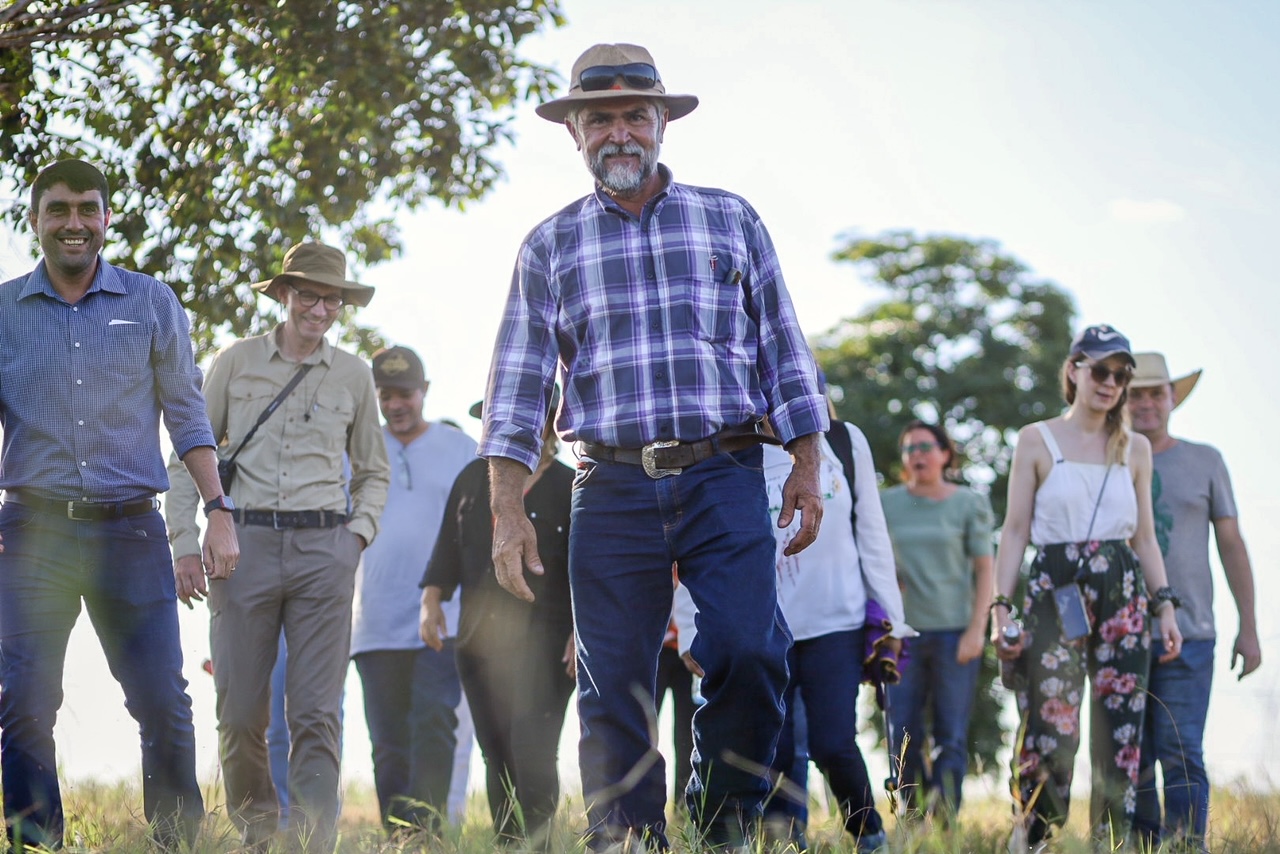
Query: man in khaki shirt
300	542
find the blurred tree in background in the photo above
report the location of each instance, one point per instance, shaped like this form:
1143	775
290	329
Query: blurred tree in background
231	129
966	337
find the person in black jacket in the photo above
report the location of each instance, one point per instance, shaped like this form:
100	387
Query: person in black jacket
515	658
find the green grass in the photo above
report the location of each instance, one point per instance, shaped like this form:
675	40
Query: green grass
107	818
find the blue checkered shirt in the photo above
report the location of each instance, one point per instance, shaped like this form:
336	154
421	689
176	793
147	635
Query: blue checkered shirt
82	387
672	325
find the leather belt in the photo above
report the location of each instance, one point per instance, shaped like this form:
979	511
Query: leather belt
281	519
82	511
662	459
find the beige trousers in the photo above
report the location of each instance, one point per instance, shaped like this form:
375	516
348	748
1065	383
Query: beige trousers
302	580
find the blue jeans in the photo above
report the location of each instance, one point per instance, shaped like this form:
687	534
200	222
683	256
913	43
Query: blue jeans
626	530
1173	735
122	570
278	733
409	701
827	671
933	684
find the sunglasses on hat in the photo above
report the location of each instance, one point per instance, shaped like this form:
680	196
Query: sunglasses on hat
1100	372
637	75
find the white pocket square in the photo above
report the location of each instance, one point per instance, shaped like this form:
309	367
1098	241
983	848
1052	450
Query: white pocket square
118	322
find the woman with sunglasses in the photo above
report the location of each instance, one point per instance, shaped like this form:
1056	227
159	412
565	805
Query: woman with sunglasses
1080	492
942	544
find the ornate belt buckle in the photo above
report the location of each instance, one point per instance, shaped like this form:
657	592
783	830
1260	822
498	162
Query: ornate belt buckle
648	459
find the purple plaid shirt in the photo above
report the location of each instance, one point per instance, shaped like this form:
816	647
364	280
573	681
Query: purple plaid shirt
672	325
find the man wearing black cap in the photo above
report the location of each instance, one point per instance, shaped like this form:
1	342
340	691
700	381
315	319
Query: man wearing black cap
288	406
410	690
93	356
664	308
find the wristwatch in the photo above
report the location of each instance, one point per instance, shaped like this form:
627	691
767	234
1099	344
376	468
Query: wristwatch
222	502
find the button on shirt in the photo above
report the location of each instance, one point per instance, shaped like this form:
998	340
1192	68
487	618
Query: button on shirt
671	325
295	460
83	386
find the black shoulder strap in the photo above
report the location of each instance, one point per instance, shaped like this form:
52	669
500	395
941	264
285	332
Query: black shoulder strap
271	407
838	439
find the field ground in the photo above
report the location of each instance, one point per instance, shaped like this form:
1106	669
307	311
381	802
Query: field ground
107	818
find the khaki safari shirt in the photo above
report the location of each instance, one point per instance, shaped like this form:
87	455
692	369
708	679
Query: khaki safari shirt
295	460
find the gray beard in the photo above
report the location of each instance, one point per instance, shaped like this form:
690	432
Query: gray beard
621	180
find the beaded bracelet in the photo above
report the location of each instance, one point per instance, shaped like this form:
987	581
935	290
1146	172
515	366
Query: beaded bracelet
1002	601
1163	595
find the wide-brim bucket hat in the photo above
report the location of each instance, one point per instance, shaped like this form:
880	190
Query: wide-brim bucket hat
316	262
1152	370
615	71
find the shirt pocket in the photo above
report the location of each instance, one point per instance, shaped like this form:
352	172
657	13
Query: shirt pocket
331	418
712	311
247	399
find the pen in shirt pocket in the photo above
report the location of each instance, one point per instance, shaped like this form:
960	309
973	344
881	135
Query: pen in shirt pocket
732	274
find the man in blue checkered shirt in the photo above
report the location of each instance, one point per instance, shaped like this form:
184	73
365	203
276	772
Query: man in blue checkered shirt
663	308
92	357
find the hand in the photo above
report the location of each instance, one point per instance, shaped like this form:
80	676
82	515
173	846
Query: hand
1170	635
970	646
570	657
188	578
221	550
802	492
515	549
692	666
1005	651
1246	649
432	626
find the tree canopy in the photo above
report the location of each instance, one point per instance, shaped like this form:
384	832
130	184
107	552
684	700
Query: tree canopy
966	337
231	129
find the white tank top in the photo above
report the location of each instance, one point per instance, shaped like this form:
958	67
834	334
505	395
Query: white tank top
1065	501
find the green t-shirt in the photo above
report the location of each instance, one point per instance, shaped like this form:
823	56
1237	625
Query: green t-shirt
934	544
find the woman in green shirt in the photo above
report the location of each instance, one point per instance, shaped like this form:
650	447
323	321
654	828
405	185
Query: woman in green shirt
941	536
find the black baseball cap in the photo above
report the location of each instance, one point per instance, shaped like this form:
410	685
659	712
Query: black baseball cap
398	367
1101	341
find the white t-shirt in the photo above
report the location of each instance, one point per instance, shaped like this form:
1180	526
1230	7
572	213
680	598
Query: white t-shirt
385	610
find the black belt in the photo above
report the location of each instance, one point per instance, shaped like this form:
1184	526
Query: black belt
83	511
290	518
661	459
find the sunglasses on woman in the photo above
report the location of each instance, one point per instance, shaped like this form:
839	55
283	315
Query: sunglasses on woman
922	447
1100	372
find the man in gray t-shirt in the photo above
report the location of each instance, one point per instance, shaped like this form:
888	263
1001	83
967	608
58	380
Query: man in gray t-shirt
1190	491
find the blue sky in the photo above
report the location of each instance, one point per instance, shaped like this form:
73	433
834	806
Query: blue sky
1125	150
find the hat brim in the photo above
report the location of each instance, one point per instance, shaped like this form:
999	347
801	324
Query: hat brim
1182	386
353	292
678	106
1099	355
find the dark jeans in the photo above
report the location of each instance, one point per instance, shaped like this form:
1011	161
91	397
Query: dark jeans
626	530
123	572
934	686
673	676
509	660
827	670
1174	737
409	701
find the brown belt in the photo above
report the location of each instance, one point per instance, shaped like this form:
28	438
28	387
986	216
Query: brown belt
661	459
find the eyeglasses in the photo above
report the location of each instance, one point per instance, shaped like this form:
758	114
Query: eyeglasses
406	474
1100	372
333	302
637	75
922	447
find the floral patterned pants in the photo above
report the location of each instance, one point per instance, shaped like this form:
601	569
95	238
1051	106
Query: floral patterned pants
1115	654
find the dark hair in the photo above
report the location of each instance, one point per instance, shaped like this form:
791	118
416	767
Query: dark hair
1117	422
949	469
79	176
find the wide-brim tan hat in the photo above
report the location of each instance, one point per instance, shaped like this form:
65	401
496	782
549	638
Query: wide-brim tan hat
1150	369
316	262
602	58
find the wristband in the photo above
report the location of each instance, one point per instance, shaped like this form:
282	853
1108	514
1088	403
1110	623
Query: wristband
1005	602
1163	595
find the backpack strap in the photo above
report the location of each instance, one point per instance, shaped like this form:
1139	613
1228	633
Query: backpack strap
839	440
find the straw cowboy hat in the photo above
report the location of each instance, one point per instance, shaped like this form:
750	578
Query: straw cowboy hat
315	262
612	71
1152	370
